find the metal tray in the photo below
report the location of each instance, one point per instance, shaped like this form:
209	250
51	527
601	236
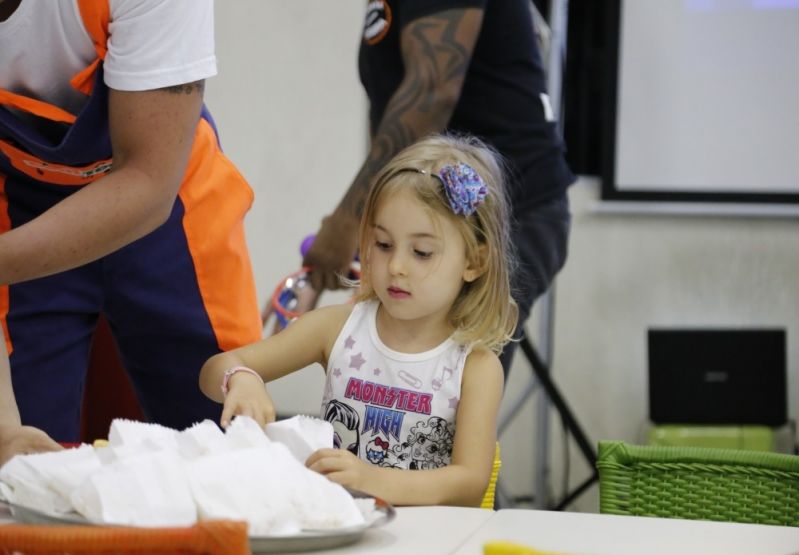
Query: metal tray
307	540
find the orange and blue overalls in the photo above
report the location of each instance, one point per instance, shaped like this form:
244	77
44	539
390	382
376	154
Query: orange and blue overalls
172	298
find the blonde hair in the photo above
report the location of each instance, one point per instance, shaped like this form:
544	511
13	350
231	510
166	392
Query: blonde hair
484	314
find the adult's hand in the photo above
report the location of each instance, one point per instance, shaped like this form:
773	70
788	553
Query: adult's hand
333	250
21	440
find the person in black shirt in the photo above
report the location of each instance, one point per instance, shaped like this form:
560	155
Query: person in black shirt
471	67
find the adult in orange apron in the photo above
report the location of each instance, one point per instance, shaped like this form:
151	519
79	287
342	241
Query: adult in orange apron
172	298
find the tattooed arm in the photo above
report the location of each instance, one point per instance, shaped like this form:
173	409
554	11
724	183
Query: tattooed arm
436	51
151	135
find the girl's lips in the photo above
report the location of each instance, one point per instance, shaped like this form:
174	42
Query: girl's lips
397	293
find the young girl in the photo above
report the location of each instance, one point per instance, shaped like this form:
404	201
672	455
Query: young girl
413	379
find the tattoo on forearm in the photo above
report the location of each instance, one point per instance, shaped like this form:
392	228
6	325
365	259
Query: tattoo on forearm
441	46
186	88
437	39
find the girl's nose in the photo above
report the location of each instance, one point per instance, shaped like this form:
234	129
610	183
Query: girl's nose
396	265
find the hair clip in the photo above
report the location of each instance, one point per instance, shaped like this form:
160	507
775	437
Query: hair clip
464	187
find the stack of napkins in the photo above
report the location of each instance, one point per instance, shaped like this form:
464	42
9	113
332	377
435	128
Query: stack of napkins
45	481
149	475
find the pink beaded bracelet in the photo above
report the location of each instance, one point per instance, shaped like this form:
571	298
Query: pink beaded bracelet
229	374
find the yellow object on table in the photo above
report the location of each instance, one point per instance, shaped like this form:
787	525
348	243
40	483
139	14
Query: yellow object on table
510	548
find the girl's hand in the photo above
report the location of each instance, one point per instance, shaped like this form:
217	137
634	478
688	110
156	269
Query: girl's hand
247	396
344	468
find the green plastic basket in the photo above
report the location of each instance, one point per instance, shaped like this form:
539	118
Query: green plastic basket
698	483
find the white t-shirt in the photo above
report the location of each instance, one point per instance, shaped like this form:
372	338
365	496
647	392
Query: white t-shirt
152	44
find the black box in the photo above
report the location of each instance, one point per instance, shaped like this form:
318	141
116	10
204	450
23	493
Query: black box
717	376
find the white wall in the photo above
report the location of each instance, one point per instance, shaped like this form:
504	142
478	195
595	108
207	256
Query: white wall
626	273
292	116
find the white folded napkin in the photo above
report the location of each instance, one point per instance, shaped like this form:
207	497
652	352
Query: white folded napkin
302	435
245	433
150	489
131	432
201	439
271	490
44	481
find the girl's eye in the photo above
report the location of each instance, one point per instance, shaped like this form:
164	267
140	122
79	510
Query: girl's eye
422	254
382	246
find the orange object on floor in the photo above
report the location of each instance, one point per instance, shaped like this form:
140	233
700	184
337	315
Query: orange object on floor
212	537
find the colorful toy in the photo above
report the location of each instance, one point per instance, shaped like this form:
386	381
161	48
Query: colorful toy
294	294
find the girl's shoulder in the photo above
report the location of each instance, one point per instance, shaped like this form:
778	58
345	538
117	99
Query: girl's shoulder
482	361
481	356
482	375
328	321
333	314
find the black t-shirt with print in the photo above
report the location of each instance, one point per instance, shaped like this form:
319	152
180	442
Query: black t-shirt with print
501	97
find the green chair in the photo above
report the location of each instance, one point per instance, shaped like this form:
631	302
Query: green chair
698	483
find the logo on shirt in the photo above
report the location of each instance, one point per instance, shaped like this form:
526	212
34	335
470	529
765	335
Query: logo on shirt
377	23
386	406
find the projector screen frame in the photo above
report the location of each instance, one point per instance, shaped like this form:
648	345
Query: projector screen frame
610	191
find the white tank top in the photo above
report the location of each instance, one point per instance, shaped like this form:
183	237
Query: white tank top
392	409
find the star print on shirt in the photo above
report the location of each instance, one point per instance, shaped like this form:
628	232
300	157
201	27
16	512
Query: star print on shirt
453	402
357	361
349	342
337	372
376	371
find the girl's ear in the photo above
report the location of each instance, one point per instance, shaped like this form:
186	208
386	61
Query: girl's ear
476	266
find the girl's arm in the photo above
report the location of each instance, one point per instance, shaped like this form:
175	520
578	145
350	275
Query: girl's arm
307	340
465	480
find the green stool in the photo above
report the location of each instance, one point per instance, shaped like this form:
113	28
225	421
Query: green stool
748	438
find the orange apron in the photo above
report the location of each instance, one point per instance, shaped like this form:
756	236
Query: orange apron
172	299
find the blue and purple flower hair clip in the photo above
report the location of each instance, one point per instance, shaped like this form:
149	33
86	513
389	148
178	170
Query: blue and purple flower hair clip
464	187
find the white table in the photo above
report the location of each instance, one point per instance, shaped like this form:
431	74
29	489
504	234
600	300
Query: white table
460	531
594	534
419	531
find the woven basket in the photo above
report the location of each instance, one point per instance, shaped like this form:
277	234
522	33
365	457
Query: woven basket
698	483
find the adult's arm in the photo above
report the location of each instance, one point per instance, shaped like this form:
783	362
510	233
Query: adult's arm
151	136
14	437
436	51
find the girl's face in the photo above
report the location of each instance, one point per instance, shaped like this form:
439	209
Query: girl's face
417	260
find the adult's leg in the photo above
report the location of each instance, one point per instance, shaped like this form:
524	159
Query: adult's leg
540	235
50	324
186	291
158	318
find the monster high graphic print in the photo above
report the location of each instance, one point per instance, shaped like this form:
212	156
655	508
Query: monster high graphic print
392	409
